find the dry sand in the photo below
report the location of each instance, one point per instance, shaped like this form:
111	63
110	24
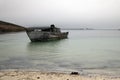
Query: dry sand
37	75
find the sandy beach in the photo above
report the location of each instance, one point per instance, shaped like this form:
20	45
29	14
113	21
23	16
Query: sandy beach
37	75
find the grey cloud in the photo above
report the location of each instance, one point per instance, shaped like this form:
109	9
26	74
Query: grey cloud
66	13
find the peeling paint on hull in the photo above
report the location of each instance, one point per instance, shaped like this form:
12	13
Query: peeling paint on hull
36	36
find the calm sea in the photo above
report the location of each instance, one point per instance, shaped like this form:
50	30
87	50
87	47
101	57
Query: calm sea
83	51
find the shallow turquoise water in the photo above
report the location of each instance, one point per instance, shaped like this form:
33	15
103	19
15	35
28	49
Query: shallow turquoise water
84	50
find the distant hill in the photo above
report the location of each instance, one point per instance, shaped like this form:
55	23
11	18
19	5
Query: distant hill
10	27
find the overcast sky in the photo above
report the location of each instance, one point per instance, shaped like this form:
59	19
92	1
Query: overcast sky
63	13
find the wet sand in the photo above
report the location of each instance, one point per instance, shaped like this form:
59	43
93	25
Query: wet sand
37	75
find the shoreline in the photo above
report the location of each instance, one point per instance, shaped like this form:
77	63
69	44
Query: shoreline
11	32
39	75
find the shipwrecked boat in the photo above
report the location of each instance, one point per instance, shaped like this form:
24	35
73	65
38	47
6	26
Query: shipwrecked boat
45	33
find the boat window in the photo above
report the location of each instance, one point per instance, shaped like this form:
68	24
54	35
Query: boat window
37	29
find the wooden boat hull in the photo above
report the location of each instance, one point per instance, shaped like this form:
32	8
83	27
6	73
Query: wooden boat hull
36	36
